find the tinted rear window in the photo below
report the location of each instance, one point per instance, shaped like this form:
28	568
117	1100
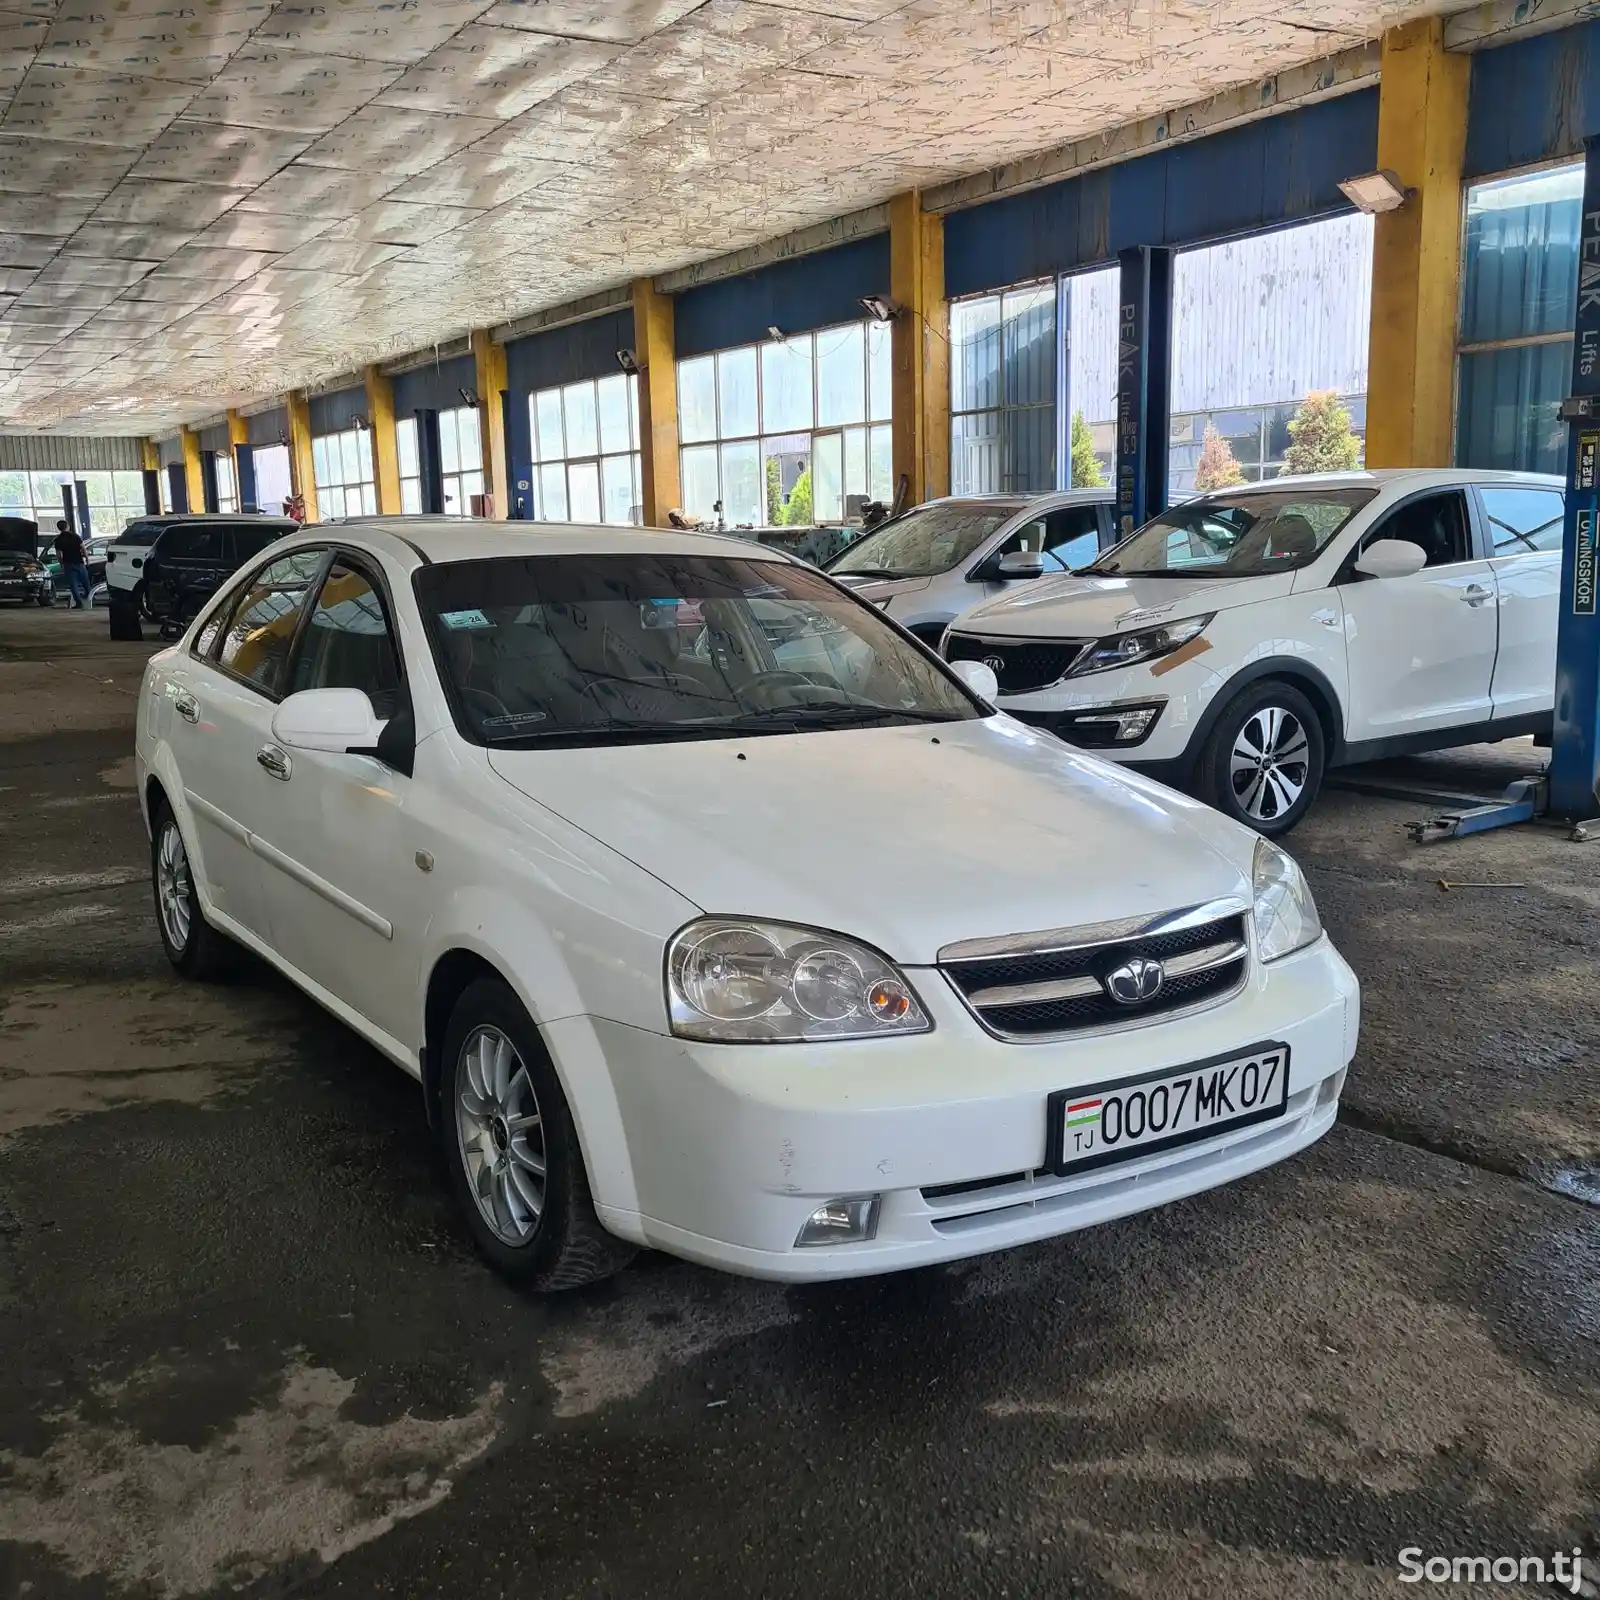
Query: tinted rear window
140	533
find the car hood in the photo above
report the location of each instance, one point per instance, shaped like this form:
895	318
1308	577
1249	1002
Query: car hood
1092	607
911	838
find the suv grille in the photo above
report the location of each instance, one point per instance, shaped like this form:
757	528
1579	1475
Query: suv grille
1057	983
1024	664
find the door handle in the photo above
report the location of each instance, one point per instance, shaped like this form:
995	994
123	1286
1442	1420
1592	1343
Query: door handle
1475	594
274	761
187	707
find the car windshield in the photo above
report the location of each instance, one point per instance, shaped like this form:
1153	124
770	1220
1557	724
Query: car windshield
139	533
590	649
1239	534
926	541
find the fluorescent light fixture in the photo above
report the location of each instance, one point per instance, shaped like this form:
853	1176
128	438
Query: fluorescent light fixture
774	331
880	307
1377	191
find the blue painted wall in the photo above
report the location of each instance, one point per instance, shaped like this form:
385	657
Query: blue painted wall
814	291
214	438
1533	100
333	413
268	427
435	387
1282	169
580	350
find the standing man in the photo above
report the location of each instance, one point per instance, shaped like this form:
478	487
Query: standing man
74	566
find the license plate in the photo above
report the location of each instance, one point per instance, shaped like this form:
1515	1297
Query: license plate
1157	1111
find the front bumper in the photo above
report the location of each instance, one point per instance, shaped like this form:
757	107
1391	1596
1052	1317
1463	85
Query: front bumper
729	1149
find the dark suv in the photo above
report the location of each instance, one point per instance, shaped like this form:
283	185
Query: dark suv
163	569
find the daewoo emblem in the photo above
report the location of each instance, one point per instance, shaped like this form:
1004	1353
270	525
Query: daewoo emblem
1135	982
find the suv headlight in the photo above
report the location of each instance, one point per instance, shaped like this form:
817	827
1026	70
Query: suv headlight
736	979
1128	649
1285	915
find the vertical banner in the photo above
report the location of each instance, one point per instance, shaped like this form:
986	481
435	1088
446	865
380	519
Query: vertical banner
1575	757
1144	363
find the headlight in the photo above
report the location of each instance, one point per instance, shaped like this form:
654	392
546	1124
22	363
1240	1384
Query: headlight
729	978
1285	914
1127	649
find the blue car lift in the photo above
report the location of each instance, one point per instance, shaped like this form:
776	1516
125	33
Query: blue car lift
1570	791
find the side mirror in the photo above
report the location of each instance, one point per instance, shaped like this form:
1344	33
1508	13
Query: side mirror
326	719
1392	558
978	678
1022	564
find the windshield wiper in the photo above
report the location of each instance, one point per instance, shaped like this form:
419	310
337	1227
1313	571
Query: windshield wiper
790	719
874	572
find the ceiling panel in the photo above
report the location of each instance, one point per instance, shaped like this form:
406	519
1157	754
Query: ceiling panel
291	89
396	222
496	72
184	44
612	21
96	107
260	230
391	139
127	242
24	250
50	166
211	152
165	203
369	32
341	255
320	192
478	179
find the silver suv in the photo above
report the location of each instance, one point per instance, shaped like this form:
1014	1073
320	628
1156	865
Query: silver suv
941	558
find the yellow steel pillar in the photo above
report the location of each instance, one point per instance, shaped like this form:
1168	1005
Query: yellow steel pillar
489	359
656	349
1416	250
385	447
238	433
921	349
193	476
302	478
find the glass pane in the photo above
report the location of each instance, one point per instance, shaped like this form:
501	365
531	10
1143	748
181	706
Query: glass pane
330	502
411	495
881	450
1521	255
736	392
449	446
633	406
827	471
880	371
550	444
855	463
272	476
786	386
616	477
583	429
1028	320
697	400
346	643
405	438
975	355
1029	454
583	491
349	458
257	642
471	484
1522	520
842	374
319	462
471	435
699	472
1508	404
369	500
975	453
128	487
364	454
97	487
553	492
615	432
743	502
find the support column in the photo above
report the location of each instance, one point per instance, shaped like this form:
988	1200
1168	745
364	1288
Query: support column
193	469
150	470
177	488
921	339
1144	374
1416	250
430	462
302	479
385	445
489	359
244	462
656	348
211	489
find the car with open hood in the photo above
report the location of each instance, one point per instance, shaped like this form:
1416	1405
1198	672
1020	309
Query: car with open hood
713	913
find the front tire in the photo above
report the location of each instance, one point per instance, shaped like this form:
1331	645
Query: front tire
193	946
124	618
1264	759
511	1150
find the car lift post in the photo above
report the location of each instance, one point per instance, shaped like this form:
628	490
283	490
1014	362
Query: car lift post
1571	792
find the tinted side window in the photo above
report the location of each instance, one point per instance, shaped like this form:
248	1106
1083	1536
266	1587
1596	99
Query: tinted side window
197	543
1033	535
1521	520
261	631
247	541
1072	535
347	643
1437	522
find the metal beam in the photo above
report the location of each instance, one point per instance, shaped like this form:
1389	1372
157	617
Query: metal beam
1499	21
594	305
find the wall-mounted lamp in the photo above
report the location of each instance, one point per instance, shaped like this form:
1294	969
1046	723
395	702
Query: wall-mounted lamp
628	360
1374	192
774	331
469	397
880	307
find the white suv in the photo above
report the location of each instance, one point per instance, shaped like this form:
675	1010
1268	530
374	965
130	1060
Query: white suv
1245	641
652	856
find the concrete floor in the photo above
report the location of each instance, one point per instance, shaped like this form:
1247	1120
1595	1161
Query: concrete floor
247	1349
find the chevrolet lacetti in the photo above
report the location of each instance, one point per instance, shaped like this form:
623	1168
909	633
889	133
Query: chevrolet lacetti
713	913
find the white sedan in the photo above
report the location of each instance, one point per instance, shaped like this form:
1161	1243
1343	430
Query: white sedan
713	913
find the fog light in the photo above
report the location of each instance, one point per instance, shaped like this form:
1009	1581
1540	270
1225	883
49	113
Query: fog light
1328	1090
842	1222
1110	725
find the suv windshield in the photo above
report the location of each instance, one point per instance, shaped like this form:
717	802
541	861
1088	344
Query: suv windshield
540	650
1238	534
926	541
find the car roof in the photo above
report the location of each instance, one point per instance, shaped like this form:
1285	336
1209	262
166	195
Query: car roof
173	519
440	538
1385	477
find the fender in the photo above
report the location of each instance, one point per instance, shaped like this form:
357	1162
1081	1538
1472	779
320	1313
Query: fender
161	768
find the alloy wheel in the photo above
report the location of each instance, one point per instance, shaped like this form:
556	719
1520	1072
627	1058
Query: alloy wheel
172	885
1270	763
501	1135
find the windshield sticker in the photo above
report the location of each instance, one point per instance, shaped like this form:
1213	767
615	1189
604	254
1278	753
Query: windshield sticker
514	719
464	619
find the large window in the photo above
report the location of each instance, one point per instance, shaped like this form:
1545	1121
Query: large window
115	498
271	462
227	482
1519	293
405	438
792	431
341	467
586	451
1003	391
460	460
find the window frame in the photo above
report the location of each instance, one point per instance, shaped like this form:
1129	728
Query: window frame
367	567
1347	573
360	485
213	656
598	458
1479	490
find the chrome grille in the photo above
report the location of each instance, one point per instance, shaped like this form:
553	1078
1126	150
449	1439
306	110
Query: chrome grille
1024	664
1054	983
